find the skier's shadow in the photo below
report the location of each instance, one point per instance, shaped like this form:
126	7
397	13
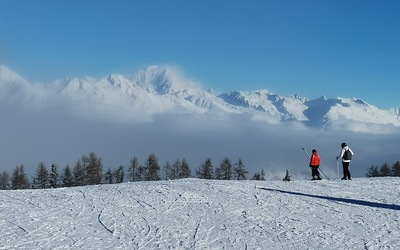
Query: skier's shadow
345	200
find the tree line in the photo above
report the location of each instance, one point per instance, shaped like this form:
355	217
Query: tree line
89	170
384	170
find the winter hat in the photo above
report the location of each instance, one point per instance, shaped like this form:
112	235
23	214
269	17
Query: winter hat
344	144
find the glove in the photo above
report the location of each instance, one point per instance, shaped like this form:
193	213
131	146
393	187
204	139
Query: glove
337	157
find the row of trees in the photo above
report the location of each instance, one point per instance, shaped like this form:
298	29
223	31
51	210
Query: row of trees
384	170
88	170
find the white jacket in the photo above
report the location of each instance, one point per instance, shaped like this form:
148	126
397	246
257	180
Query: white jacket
342	153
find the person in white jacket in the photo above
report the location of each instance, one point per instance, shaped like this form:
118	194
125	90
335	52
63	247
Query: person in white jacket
345	154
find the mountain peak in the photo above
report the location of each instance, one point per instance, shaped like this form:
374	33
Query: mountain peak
7	75
163	79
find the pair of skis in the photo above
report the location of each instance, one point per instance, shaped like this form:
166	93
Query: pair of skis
325	176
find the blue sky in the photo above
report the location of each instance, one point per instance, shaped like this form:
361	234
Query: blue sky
311	48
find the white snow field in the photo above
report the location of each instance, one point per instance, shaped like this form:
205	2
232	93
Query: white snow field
205	214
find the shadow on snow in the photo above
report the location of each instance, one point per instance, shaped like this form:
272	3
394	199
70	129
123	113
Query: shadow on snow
345	200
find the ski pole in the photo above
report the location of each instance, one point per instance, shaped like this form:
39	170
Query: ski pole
319	167
337	169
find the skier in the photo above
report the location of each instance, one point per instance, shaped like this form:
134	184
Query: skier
315	161
345	154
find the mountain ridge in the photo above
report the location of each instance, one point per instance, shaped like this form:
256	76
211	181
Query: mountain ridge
160	89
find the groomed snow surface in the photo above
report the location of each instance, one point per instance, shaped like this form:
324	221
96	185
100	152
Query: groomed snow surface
362	213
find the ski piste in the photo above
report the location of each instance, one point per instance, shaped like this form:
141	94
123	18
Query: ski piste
325	176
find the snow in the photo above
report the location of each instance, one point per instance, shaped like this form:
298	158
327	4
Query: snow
205	214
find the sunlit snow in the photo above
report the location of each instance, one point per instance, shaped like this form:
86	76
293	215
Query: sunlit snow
205	214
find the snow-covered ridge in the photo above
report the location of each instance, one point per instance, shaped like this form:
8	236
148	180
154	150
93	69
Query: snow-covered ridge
163	89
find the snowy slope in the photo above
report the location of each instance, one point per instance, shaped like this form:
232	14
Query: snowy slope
165	90
205	214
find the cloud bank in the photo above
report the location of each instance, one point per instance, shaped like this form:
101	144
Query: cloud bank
59	128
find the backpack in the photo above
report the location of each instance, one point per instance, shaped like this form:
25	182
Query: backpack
347	155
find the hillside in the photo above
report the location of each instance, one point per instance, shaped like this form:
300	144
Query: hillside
205	214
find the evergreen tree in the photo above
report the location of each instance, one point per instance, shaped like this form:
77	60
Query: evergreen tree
373	171
259	176
54	176
152	168
84	164
108	177
175	170
396	169
185	171
19	179
224	171
385	170
262	175
119	174
287	176
169	171
133	170
67	178
41	178
4	180
94	170
206	170
239	170
78	174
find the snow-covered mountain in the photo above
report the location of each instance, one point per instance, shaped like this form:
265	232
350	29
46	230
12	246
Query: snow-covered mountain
161	89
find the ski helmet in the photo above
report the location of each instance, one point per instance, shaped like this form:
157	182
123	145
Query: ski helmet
344	144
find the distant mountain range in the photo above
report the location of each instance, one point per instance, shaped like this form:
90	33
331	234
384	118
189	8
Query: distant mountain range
162	90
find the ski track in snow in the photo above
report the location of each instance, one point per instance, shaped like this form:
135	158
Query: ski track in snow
205	214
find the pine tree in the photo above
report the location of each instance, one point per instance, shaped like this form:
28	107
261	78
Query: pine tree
259	176
54	176
19	179
119	174
41	178
396	169
239	170
133	170
185	171
385	170
373	171
206	170
175	170
67	178
224	172
287	176
168	171
4	180
108	177
152	168
78	174
94	169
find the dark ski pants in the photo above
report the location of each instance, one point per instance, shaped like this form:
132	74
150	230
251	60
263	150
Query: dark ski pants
346	171
314	171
